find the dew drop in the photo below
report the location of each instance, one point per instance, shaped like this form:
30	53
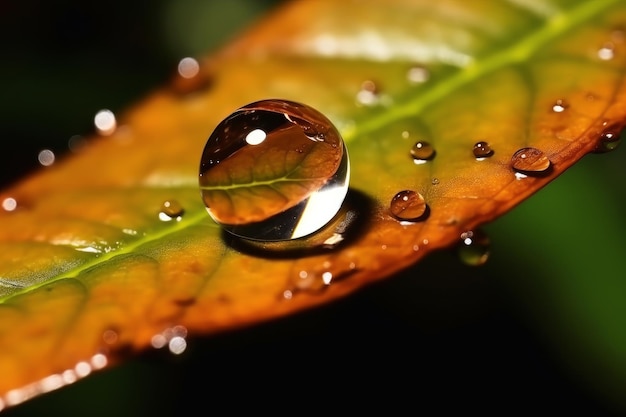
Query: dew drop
188	67
105	122
171	210
610	139
417	74
531	161
318	278
311	280
274	170
110	336
606	52
9	204
408	205
559	106
474	248
369	94
46	157
76	143
422	151
177	345
482	150
435	181
189	77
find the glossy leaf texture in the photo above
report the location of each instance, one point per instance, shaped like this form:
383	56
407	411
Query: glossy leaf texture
95	263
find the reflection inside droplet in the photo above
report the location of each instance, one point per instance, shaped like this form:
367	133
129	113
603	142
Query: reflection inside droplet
274	170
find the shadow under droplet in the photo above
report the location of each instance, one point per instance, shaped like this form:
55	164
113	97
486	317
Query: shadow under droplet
536	173
352	220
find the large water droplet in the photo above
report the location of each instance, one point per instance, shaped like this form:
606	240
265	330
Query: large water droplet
531	161
474	248
482	150
422	151
274	170
610	138
408	205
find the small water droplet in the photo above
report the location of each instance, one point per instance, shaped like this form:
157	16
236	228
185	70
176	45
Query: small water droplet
177	345
435	181
482	150
408	205
318	278
531	161
368	94
559	106
607	52
76	143
610	138
9	204
110	337
422	151
46	157
274	170
105	122
171	210
474	248
417	74
312	280
188	67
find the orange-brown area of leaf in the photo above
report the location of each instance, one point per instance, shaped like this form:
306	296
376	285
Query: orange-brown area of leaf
87	256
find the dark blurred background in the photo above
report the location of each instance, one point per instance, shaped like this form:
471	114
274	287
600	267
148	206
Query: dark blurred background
539	328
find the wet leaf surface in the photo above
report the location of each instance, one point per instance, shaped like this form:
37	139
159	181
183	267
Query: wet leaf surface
92	268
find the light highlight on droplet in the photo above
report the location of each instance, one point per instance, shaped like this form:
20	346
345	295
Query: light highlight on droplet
256	137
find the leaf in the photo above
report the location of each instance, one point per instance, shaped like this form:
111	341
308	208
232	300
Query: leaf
90	268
